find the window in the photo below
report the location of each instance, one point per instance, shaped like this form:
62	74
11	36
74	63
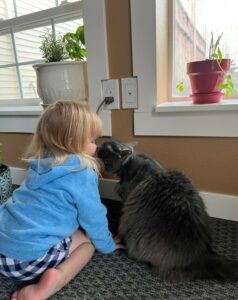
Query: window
153	54
183	34
193	22
23	118
22	26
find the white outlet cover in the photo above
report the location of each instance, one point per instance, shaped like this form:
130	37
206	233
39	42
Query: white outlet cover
129	92
110	88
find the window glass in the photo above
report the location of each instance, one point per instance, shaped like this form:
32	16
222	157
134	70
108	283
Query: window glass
28	43
28	80
15	8
24	7
9	88
21	49
6	9
70	26
7	54
194	20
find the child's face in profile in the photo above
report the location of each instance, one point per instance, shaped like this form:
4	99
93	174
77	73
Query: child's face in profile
90	147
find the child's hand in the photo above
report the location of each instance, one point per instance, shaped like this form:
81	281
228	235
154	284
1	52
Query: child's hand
118	243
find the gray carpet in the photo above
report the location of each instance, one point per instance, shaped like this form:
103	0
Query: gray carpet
116	277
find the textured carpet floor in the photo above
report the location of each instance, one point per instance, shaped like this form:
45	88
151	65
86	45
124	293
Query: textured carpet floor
116	277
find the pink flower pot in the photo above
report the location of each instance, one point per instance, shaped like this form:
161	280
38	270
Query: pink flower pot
205	77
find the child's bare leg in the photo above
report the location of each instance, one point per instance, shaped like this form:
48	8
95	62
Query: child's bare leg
81	251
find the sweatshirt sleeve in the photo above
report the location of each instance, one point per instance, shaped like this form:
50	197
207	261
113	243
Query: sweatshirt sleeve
92	215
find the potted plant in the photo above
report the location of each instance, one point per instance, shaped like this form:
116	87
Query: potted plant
208	78
5	181
59	78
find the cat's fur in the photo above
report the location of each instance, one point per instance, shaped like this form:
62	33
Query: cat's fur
164	221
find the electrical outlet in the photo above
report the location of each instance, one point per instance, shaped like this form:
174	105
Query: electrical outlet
110	88
129	92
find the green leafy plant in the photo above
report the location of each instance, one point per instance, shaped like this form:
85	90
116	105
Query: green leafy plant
53	47
180	86
75	44
214	50
228	86
215	53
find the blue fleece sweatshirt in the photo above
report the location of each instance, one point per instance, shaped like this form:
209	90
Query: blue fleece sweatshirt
50	205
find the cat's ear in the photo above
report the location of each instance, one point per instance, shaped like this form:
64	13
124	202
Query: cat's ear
129	150
126	152
132	145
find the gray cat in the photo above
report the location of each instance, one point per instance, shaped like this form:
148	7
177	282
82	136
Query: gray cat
164	221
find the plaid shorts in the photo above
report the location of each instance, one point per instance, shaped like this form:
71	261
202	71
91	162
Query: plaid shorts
31	270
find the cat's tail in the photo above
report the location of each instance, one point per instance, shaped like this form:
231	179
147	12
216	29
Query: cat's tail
218	268
212	267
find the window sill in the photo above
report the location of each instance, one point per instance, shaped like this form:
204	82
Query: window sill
186	119
188	106
173	120
24	119
21	110
19	119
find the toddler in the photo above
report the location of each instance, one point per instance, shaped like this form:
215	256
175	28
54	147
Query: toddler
55	220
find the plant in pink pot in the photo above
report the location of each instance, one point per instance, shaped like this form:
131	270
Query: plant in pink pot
208	78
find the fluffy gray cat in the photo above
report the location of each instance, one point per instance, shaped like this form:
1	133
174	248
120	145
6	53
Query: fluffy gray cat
164	221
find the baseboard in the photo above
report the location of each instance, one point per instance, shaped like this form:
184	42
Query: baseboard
221	206
218	205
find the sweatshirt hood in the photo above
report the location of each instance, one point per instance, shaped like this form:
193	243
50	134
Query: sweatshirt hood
41	172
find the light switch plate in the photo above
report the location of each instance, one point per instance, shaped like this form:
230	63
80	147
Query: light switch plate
129	92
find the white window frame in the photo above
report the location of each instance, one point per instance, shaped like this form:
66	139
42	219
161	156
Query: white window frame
170	118
50	17
23	119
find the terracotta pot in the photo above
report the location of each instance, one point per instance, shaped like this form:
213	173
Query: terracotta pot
205	77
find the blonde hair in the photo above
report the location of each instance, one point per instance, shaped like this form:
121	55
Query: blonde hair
63	129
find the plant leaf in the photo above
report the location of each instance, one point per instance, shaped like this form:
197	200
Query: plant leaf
75	44
219	55
180	87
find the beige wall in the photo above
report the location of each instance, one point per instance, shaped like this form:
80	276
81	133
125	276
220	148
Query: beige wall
13	147
211	163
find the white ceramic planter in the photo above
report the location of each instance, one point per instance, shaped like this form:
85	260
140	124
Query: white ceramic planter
66	80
